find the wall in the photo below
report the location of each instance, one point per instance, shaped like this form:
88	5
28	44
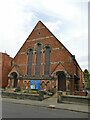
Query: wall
6	67
72	99
16	95
0	69
44	36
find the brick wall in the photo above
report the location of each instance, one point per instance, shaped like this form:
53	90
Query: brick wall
58	53
0	69
5	59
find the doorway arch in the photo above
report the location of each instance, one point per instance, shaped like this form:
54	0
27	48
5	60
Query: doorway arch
61	80
48	86
14	76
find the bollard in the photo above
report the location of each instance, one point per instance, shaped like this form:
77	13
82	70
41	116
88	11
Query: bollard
59	97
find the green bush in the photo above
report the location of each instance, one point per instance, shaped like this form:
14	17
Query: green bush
17	89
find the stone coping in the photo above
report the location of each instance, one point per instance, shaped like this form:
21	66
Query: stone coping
77	96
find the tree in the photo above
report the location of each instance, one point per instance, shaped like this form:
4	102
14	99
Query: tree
86	79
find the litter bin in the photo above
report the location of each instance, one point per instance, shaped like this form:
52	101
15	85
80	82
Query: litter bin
41	95
59	97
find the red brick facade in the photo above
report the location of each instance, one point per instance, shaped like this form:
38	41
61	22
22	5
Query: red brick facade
49	62
5	67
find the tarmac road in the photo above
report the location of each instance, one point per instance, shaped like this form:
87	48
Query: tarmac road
15	110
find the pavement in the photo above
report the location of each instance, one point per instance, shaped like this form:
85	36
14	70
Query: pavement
50	103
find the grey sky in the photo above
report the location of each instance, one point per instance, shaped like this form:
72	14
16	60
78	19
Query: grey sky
66	19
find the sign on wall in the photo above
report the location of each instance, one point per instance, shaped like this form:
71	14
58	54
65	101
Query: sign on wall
35	84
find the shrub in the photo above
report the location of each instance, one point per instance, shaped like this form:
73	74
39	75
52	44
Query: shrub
17	89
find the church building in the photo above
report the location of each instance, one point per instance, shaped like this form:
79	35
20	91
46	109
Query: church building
44	63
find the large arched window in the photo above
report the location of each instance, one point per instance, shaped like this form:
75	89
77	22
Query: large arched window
29	67
47	61
38	59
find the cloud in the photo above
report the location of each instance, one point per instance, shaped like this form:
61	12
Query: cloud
84	63
14	26
54	26
67	19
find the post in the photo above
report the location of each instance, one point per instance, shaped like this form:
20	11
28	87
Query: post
59	97
41	95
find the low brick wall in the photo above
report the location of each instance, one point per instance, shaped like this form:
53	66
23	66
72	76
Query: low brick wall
16	95
73	99
80	93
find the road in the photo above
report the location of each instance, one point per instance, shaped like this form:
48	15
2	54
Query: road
13	110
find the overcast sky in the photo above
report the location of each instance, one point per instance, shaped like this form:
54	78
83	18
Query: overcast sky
66	19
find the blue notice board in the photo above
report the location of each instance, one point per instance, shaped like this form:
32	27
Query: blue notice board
35	84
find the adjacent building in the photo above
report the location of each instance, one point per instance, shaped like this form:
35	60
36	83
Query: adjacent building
5	67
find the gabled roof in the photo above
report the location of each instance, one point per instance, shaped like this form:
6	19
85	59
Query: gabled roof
15	68
40	25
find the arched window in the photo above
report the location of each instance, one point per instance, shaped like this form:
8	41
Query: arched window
38	59
47	61
29	67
